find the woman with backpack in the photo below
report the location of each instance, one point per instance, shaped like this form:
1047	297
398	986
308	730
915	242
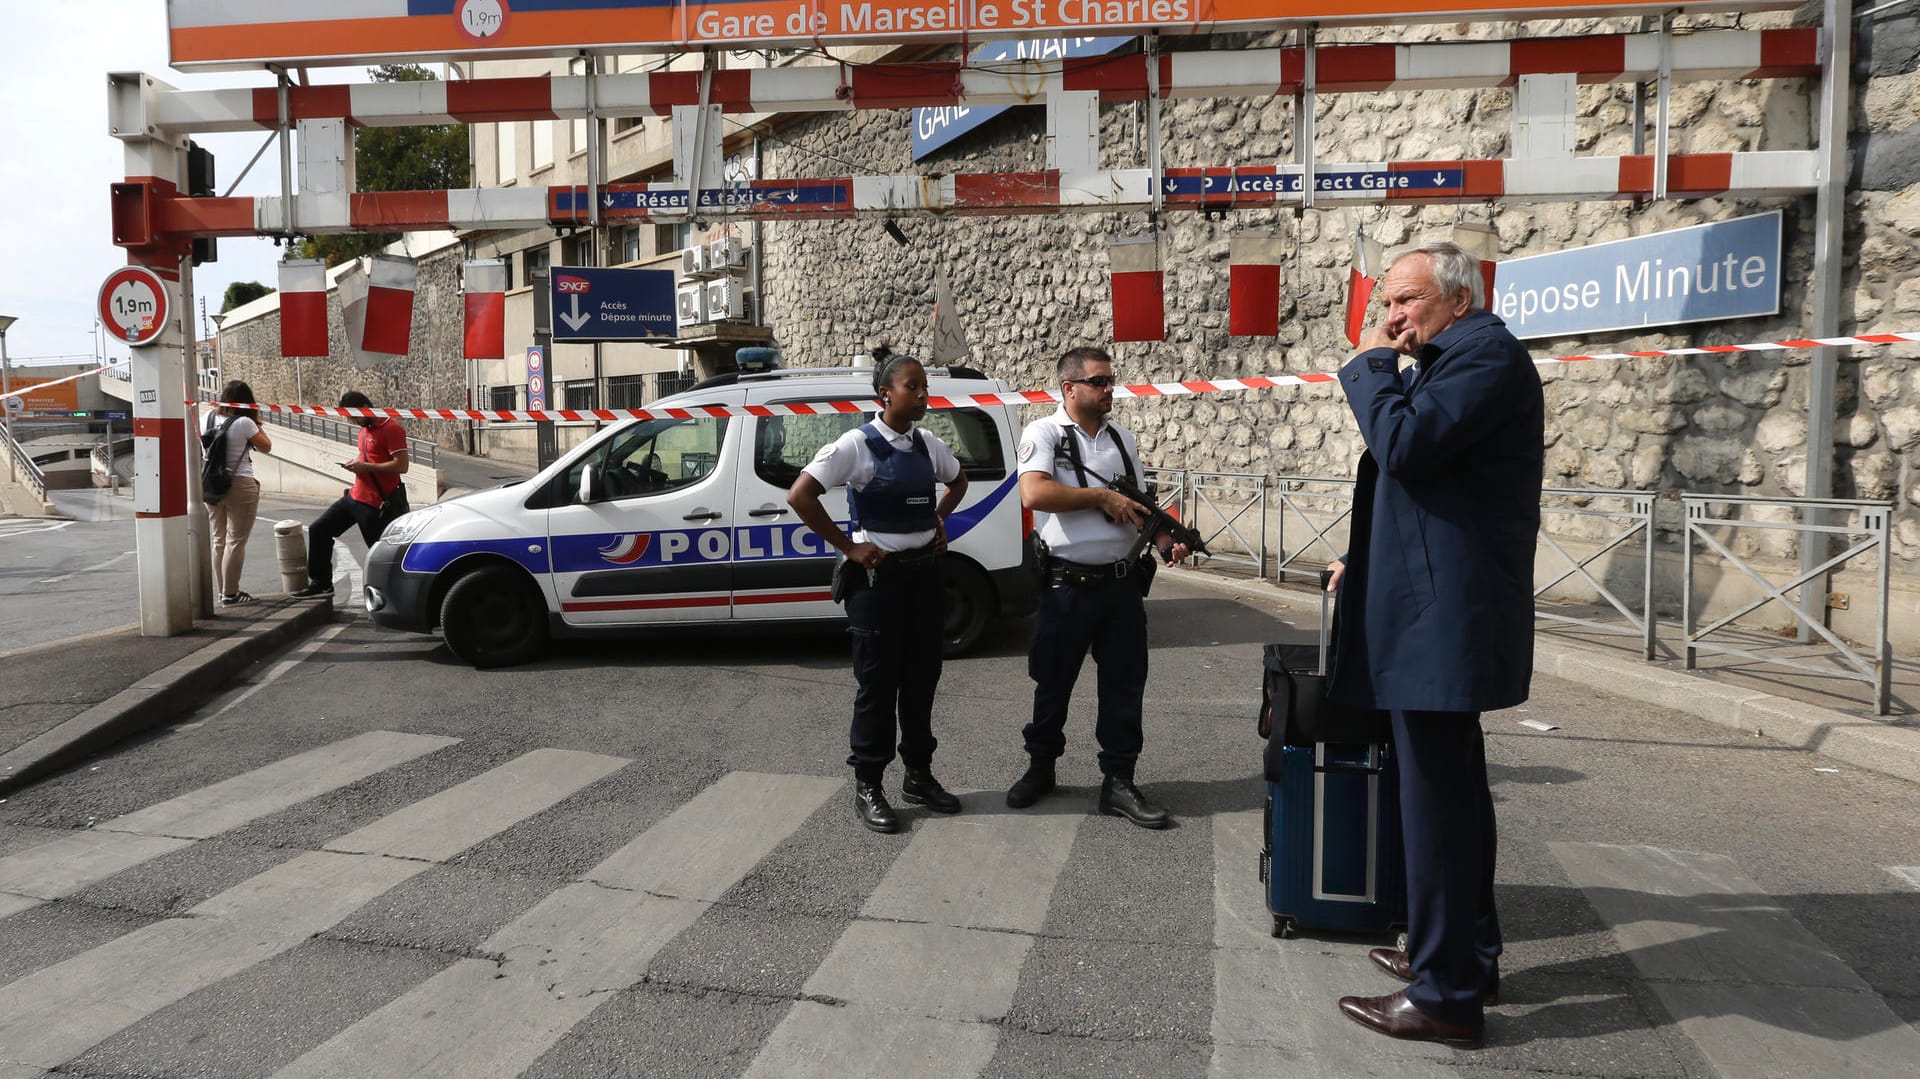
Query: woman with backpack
233	431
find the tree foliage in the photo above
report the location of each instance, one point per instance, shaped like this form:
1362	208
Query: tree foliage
427	158
240	293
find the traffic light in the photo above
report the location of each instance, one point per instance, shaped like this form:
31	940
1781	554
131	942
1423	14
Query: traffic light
200	184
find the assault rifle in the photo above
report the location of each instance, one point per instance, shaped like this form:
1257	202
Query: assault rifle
1158	521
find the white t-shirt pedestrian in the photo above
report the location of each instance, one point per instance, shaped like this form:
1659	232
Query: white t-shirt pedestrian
239	441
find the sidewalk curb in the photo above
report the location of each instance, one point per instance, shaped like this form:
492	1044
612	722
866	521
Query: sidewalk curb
1869	744
1873	745
161	697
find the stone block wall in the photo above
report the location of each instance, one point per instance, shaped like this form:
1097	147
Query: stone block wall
432	372
1028	288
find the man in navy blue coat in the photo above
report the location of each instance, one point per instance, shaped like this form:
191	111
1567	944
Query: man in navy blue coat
1436	611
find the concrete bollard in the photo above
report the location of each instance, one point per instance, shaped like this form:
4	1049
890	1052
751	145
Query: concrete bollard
290	543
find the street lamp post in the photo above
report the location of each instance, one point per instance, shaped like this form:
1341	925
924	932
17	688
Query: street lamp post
6	387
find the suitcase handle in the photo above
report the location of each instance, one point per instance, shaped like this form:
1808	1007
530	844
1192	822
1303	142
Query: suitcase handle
1326	578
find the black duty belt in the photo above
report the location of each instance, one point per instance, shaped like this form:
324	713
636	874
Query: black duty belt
1088	574
917	556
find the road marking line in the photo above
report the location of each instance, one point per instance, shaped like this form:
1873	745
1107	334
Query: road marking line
63	866
230	803
226	701
1758	994
89	569
1275	1010
563	957
31	528
935	959
61	1011
1907	873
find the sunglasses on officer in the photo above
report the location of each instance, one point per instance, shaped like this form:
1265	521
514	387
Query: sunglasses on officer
1098	382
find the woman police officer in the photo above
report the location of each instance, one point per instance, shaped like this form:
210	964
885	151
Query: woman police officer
895	602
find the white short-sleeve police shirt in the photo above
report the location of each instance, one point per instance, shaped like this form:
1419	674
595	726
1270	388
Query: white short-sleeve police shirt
1080	535
848	460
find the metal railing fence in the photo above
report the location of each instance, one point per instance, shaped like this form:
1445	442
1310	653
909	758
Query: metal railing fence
1299	497
422	450
1229	497
21	466
1865	526
1638	513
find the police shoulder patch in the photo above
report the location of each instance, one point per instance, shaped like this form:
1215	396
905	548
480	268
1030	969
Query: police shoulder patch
1026	449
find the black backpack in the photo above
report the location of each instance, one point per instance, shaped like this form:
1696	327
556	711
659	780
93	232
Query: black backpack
215	475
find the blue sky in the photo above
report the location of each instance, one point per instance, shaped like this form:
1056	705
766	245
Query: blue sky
58	161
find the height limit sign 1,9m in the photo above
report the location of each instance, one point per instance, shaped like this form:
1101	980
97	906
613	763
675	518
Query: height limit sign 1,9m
133	304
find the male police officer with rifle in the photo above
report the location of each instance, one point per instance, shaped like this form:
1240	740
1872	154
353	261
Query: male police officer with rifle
1078	471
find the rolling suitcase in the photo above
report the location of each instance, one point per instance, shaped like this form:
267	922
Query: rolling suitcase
1333	857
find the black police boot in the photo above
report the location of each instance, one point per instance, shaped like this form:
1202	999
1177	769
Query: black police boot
1120	798
870	805
921	789
1031	787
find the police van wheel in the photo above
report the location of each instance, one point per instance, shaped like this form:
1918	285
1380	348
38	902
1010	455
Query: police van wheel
969	607
492	617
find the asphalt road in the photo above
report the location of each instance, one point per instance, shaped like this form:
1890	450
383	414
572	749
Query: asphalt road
637	857
61	579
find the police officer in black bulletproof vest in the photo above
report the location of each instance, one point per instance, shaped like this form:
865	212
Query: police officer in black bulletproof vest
896	605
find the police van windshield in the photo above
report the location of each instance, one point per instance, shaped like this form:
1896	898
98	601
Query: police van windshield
653	456
785	444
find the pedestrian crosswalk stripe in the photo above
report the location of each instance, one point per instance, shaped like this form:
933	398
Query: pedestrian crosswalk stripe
246	797
63	866
1274	1002
560	959
1907	873
936	956
58	1012
1757	992
816	1041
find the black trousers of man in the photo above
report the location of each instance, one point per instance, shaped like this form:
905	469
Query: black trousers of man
333	523
1110	619
1446	813
899	625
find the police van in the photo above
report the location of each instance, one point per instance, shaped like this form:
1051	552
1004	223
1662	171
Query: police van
685	521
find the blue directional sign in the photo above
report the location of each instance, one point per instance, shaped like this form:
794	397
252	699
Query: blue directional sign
1333	180
765	195
937	126
591	304
1728	269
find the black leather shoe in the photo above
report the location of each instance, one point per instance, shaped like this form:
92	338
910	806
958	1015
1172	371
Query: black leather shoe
1396	1017
919	788
1395	962
870	805
1034	785
1120	798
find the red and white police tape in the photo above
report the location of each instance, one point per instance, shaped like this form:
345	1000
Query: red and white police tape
24	390
1019	397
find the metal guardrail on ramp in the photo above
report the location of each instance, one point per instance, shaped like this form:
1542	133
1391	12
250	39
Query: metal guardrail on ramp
1638	512
1865	526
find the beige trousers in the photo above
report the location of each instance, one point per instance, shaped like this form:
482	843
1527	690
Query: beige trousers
232	521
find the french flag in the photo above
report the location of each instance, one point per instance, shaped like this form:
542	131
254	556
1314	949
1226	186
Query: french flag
303	308
1369	258
486	309
378	305
1139	298
1253	286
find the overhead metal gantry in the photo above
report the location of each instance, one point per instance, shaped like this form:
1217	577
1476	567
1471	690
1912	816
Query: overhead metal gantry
157	222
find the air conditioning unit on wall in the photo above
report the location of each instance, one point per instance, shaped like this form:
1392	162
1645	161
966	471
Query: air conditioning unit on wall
693	261
726	254
692	303
725	300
